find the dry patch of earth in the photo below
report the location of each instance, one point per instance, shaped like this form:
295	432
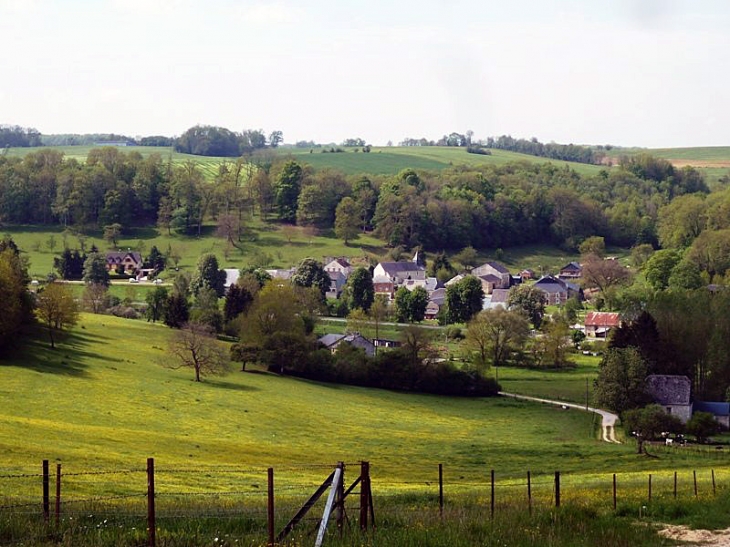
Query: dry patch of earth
712	538
699	163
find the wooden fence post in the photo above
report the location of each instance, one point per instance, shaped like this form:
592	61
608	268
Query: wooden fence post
340	499
270	506
58	494
694	474
151	502
557	489
529	493
364	493
675	485
614	491
441	489
46	494
491	505
649	486
714	492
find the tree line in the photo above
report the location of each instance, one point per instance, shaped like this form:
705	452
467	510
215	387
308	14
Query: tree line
209	140
483	207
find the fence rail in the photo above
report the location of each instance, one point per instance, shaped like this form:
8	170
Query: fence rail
248	500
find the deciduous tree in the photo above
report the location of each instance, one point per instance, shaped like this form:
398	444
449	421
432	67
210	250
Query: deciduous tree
194	346
493	335
361	291
464	299
56	309
347	221
530	300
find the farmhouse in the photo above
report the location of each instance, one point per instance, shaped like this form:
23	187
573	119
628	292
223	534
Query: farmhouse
333	341
599	324
556	290
436	300
572	270
496	275
672	392
121	262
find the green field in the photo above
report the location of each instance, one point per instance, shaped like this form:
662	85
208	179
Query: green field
380	161
102	400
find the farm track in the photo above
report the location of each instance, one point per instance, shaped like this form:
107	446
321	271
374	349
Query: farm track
608	419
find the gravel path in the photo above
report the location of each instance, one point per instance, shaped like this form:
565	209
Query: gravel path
608	419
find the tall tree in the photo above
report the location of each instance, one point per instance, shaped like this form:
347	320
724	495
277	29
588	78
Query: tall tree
620	384
464	299
13	295
207	274
362	293
530	300
288	186
492	336
156	299
95	270
56	309
347	220
310	273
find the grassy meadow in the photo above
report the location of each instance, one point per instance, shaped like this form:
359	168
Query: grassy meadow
103	400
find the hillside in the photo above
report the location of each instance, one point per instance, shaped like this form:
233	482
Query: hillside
380	161
101	400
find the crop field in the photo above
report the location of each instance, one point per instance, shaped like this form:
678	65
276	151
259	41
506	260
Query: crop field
380	161
391	160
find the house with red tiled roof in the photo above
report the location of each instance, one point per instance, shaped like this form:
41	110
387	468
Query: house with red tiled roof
599	323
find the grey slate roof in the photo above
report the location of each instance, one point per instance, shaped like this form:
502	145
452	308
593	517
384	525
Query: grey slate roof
669	389
500	296
394	268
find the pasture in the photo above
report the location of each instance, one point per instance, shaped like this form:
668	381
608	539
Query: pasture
102	400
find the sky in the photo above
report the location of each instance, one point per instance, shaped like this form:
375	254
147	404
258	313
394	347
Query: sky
651	73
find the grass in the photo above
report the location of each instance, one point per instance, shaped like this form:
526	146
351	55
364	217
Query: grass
391	160
380	161
261	238
101	404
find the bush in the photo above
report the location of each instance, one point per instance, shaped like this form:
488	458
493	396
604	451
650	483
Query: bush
454	333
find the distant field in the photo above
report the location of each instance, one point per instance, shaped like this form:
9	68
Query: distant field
261	238
392	159
712	161
380	161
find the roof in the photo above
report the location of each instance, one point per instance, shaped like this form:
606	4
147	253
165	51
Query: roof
455	279
394	268
121	255
718	409
489	278
572	266
669	389
548	283
500	296
602	319
281	274
382	279
232	275
329	340
438	296
501	268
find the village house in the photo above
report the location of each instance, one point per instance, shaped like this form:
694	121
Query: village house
436	301
498	299
124	262
495	274
572	270
671	392
338	270
556	290
599	324
389	276
333	341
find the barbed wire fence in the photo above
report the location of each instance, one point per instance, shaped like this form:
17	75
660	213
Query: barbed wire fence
241	504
